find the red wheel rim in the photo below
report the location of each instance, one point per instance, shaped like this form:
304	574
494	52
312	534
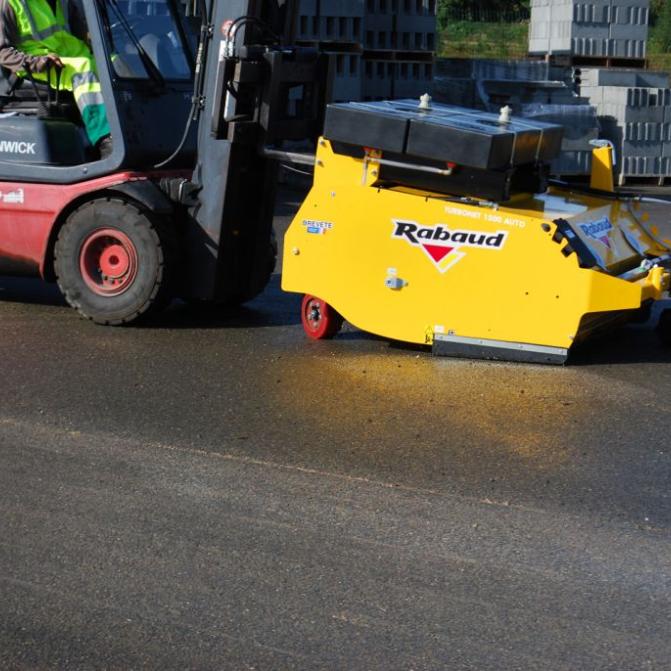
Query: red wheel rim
108	262
320	320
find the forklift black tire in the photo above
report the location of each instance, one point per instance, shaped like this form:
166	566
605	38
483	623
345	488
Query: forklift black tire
664	328
320	320
273	253
235	301
114	262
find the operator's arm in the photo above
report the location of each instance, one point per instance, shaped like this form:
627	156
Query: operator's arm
12	58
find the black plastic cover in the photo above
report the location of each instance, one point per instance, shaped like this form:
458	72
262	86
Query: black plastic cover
444	133
35	141
361	125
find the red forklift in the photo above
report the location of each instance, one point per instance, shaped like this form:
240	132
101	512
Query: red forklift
201	97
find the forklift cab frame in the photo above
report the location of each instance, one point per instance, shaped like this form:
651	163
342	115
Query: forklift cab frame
146	68
175	209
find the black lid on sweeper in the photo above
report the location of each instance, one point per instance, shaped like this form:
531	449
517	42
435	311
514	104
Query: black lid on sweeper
445	133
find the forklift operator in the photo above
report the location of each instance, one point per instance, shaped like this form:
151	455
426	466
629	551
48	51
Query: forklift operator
35	36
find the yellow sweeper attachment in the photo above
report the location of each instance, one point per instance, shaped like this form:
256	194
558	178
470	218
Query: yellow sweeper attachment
469	253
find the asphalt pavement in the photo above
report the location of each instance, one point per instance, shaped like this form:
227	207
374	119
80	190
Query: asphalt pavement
212	491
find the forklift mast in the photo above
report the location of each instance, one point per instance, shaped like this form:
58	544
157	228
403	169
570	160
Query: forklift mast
258	91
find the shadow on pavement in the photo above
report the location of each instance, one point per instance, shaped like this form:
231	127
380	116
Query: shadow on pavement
30	291
627	345
273	307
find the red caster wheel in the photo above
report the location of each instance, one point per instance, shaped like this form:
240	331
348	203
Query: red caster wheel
320	320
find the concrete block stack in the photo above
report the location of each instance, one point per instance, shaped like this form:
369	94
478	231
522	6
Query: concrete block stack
535	90
629	28
337	27
600	29
414	38
379	67
454	82
634	108
552	102
382	48
458	81
581	127
605	41
399	48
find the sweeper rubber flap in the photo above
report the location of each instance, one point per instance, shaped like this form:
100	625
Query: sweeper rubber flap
526	279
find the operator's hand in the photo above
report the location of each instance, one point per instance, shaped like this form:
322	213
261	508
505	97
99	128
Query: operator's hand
55	60
42	63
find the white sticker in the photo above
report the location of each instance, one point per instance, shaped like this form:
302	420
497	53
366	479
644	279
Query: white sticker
13	197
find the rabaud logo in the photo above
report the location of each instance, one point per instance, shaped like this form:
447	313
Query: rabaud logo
599	230
446	247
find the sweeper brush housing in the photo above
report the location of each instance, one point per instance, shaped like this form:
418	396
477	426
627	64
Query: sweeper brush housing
523	279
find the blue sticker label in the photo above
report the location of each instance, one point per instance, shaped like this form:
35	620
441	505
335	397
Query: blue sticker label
317	227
